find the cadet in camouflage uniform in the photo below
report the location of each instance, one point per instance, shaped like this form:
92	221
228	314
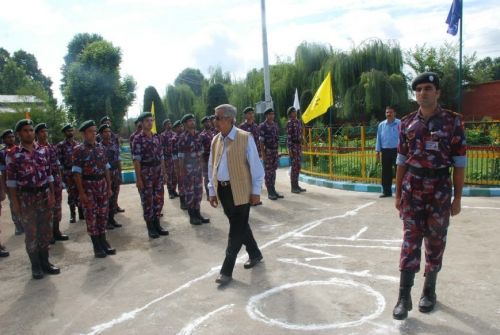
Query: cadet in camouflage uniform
269	143
178	129
42	135
294	136
251	126
189	155
147	154
3	250
65	151
431	141
9	140
167	138
30	183
138	129
112	151
206	136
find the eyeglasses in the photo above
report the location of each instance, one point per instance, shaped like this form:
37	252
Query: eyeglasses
218	118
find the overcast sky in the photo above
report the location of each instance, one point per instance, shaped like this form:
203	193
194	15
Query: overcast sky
159	38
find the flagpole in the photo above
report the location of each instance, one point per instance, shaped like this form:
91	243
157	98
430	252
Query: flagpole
460	59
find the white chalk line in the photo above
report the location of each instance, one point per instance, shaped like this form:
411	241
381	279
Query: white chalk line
361	274
473	207
356	236
324	245
313	251
254	312
349	239
97	329
188	330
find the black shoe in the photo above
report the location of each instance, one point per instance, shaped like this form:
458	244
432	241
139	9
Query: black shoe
36	267
278	195
98	250
152	233
183	203
193	218
271	195
176	194
223	279
48	267
120	210
72	213
257	204
202	219
106	246
428	299
171	194
252	262
113	222
109	225
404	304
301	189
385	196
159	228
295	190
81	216
56	233
19	229
4	252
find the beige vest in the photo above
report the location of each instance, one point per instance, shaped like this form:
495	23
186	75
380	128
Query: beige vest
239	170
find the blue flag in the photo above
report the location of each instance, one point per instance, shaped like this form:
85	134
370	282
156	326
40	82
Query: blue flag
454	17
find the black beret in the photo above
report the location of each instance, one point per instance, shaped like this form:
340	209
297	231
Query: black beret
86	124
248	109
187	117
137	121
290	110
269	110
205	118
66	127
176	124
22	123
40	126
103	127
166	121
105	118
424	78
212	117
144	115
6	132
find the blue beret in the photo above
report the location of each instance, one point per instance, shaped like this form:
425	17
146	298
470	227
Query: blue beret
22	123
424	78
86	124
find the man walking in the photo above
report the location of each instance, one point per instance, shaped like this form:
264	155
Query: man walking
386	146
431	141
294	143
235	179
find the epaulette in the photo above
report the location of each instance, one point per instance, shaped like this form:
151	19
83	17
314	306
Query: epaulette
409	115
453	114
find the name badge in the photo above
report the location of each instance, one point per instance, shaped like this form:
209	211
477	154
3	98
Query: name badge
432	145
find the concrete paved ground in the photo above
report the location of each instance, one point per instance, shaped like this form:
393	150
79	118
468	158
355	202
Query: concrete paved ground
330	267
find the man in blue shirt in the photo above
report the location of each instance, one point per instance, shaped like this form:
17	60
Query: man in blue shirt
387	143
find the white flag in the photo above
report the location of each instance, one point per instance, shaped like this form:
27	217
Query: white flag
296	103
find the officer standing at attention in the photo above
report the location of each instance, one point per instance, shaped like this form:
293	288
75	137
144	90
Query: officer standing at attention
236	174
294	137
93	181
206	136
269	143
9	141
190	156
431	141
147	155
386	146
3	251
30	183
42	136
178	129
167	137
250	125
137	131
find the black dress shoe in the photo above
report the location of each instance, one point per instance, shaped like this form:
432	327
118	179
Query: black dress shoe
257	204
252	262
61	237
223	279
4	252
120	210
385	196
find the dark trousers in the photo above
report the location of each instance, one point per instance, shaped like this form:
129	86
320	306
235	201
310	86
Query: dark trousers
240	232
388	166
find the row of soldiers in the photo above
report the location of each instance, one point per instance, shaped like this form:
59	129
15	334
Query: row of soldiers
35	173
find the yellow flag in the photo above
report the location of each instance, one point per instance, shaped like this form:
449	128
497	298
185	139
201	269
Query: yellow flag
322	100
154	117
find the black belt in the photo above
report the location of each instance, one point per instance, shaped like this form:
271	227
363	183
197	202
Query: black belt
67	168
114	165
224	183
27	189
429	173
92	177
150	164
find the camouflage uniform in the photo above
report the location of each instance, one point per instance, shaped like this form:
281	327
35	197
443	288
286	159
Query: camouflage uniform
65	150
15	217
190	152
133	136
167	140
294	134
253	129
269	137
178	178
206	137
91	163
424	147
31	173
112	151
58	184
149	153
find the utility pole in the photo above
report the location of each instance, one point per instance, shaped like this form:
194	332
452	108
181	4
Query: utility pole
267	85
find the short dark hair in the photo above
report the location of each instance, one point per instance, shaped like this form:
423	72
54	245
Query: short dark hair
391	107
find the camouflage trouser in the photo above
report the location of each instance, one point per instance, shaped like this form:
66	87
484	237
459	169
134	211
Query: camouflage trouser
36	218
58	187
270	166
204	169
193	183
70	187
96	210
152	194
116	180
15	217
294	151
171	177
425	211
180	183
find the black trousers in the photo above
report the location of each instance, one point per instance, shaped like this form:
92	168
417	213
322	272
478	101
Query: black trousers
240	232
388	167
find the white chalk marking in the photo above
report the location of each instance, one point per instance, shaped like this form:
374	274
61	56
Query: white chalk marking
314	251
356	236
308	259
188	330
472	207
362	274
132	314
323	245
254	312
348	239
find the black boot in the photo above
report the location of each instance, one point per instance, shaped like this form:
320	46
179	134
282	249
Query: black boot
428	298
72	214
183	202
295	187
171	194
19	229
152	233
159	228
279	195
3	251
193	218
36	267
105	245
270	194
80	213
175	193
404	305
112	221
98	250
47	267
202	219
57	235
300	188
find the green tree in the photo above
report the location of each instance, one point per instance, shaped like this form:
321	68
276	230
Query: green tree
180	101
486	69
216	95
151	95
193	78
